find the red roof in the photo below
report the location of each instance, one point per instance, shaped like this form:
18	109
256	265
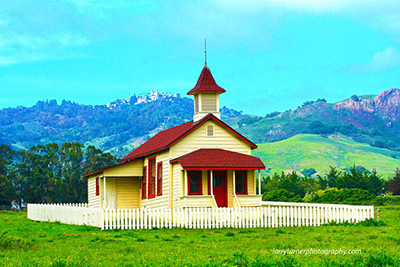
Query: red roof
214	159
206	83
167	138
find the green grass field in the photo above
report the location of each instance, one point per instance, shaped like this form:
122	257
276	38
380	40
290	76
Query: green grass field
27	243
314	151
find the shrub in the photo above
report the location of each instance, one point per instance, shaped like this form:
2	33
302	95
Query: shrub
386	200
317	194
354	196
372	222
281	195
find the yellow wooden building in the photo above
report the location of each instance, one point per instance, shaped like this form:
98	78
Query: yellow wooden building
201	163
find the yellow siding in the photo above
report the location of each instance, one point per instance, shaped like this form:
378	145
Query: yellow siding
177	186
163	200
93	200
249	201
198	139
197	202
128	170
251	184
128	193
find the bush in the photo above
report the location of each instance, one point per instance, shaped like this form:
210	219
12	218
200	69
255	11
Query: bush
317	194
372	222
386	200
353	196
281	195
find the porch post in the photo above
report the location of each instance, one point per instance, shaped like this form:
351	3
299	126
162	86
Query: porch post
234	181
259	182
185	183
105	192
211	183
234	188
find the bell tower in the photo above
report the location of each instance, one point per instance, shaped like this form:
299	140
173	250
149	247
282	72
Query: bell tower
206	94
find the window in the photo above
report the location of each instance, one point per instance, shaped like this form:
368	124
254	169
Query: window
144	179
196	104
152	177
194	183
159	179
210	130
241	182
209	102
97	186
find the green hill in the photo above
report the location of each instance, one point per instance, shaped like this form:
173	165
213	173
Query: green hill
314	151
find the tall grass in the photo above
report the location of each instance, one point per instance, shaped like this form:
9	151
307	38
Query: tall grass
10	242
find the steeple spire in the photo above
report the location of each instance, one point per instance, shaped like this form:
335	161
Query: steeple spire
205	52
206	92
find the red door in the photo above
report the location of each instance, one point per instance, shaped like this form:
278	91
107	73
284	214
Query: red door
220	188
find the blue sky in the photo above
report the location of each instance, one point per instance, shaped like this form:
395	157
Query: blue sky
268	54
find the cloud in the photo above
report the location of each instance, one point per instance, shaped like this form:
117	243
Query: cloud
380	61
382	15
312	5
17	48
60	40
303	5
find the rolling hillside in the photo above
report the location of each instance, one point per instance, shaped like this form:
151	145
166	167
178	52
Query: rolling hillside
367	119
315	151
369	127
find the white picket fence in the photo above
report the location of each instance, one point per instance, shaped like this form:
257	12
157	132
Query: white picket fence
71	213
272	214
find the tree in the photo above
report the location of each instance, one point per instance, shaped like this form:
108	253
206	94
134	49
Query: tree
378	143
374	182
394	183
332	177
6	167
318	127
308	172
355	98
46	174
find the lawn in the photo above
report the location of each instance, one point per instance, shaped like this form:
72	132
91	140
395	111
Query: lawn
27	243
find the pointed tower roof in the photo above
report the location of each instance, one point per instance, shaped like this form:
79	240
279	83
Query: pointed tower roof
206	83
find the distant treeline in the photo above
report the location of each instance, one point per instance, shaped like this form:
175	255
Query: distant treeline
49	174
355	185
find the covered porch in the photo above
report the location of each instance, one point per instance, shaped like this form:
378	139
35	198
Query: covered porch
116	187
220	178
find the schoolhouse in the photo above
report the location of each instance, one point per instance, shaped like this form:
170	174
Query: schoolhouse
201	163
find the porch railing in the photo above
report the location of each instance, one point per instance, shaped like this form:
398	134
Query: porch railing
273	214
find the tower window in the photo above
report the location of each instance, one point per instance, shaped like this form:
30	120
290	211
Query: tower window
210	130
209	102
196	103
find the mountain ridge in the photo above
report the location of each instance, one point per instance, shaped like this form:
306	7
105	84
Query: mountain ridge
121	125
